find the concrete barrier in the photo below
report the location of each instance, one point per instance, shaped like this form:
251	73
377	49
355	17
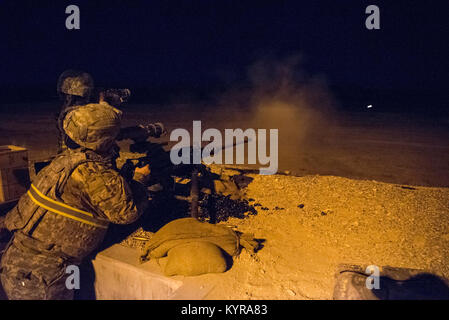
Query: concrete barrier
120	276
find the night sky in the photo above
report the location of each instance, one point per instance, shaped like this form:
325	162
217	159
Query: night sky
202	43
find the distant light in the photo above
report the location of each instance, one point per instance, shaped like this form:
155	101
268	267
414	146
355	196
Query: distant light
370	106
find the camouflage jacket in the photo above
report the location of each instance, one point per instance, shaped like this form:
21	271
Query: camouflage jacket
84	181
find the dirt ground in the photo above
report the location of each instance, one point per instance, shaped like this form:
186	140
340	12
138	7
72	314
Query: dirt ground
396	148
341	221
336	210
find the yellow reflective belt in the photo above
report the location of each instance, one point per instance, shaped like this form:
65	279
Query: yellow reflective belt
64	209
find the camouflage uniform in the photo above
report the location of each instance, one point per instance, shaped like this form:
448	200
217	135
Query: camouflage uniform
73	86
45	242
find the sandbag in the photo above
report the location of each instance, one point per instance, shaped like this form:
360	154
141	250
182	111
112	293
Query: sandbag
185	230
195	258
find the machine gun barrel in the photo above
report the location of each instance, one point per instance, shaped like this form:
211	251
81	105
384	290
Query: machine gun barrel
160	162
191	149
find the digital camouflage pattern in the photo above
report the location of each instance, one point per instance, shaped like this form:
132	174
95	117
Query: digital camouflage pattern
75	82
32	276
94	126
74	88
44	243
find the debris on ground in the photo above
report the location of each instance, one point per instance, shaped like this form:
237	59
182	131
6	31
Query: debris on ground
220	208
340	221
365	222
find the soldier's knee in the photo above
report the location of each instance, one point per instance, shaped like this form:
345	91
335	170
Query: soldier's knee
22	285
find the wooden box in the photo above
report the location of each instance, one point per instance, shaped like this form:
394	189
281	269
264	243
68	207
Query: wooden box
14	174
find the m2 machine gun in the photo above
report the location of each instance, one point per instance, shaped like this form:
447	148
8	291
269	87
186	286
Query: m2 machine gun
172	177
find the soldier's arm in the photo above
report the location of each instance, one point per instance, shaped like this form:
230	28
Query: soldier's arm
109	194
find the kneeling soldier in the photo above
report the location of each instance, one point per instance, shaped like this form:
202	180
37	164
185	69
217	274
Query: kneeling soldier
65	214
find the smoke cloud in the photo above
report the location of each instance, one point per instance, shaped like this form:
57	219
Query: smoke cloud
282	96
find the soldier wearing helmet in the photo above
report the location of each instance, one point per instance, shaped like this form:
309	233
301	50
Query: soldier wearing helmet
65	214
75	88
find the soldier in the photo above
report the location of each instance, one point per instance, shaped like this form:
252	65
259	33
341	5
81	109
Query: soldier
65	214
75	88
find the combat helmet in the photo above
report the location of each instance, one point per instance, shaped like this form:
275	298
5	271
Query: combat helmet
93	126
76	83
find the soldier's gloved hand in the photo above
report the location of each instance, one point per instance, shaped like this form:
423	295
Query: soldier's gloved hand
142	174
155	130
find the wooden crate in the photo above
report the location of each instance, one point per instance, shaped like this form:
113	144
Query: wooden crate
14	174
